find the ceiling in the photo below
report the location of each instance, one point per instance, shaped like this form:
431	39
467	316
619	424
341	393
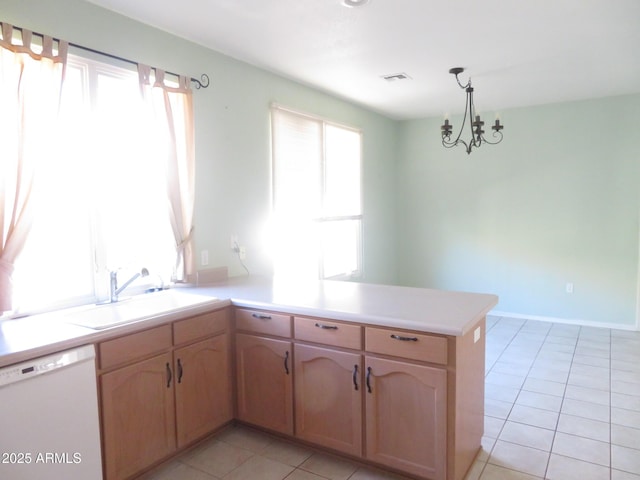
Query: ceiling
517	53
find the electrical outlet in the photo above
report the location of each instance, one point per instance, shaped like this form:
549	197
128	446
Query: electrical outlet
242	252
204	257
569	287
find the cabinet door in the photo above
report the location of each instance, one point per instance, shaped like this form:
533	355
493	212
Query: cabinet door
406	416
264	385
138	416
328	398
203	388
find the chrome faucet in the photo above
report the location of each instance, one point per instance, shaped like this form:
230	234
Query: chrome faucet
114	291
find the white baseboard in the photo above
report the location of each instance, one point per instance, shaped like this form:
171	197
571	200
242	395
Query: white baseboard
568	321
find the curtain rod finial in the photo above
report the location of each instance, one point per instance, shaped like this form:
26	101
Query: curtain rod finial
203	82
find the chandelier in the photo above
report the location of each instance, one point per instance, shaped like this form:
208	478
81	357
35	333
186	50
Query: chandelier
475	123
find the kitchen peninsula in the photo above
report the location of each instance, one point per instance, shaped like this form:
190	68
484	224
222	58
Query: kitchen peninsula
389	375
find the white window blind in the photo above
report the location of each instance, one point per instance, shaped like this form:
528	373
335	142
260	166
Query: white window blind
317	202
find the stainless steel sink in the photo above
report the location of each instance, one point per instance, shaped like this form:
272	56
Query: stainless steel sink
133	309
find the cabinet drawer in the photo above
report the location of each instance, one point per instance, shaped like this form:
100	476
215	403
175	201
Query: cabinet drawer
415	346
263	322
202	326
330	333
137	345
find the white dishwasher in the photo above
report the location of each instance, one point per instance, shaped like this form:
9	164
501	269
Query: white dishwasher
49	425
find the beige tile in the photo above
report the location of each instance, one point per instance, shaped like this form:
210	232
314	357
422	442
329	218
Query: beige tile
550	373
582	448
575	392
260	467
497	408
527	435
493	426
298	474
534	416
628	388
368	473
504	379
589	381
328	466
217	458
590	360
544	386
495	472
630	418
590	410
286	452
591	370
625	436
500	392
620	475
625	376
539	400
475	471
245	438
566	468
487	444
628	402
510	368
584	427
625	459
177	471
520	458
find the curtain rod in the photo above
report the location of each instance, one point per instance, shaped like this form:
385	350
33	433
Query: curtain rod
202	83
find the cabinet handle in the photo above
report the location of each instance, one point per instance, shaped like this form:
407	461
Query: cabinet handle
355	377
179	371
404	339
369	379
326	327
168	375
286	362
261	316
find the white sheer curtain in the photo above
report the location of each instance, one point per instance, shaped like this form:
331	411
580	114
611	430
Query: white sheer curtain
172	109
30	84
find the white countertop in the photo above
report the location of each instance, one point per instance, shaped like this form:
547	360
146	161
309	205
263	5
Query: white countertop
424	310
427	310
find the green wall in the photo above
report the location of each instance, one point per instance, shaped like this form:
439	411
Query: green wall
555	203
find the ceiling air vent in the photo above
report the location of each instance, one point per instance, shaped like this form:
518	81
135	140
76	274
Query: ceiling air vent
396	76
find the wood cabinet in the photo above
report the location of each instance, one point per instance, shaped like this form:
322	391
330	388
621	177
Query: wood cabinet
203	388
161	389
264	365
406	416
138	416
328	398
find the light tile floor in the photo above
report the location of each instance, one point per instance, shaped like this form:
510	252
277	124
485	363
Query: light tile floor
562	402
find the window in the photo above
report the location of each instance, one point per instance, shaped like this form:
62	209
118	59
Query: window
100	195
316	197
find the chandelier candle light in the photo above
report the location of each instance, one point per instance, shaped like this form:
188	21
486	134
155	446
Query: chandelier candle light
475	123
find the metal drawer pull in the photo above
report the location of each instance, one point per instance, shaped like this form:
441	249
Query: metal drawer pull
355	377
326	327
404	339
369	379
179	371
168	375
286	362
261	316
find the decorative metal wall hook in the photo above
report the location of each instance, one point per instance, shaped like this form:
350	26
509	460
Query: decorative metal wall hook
475	123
